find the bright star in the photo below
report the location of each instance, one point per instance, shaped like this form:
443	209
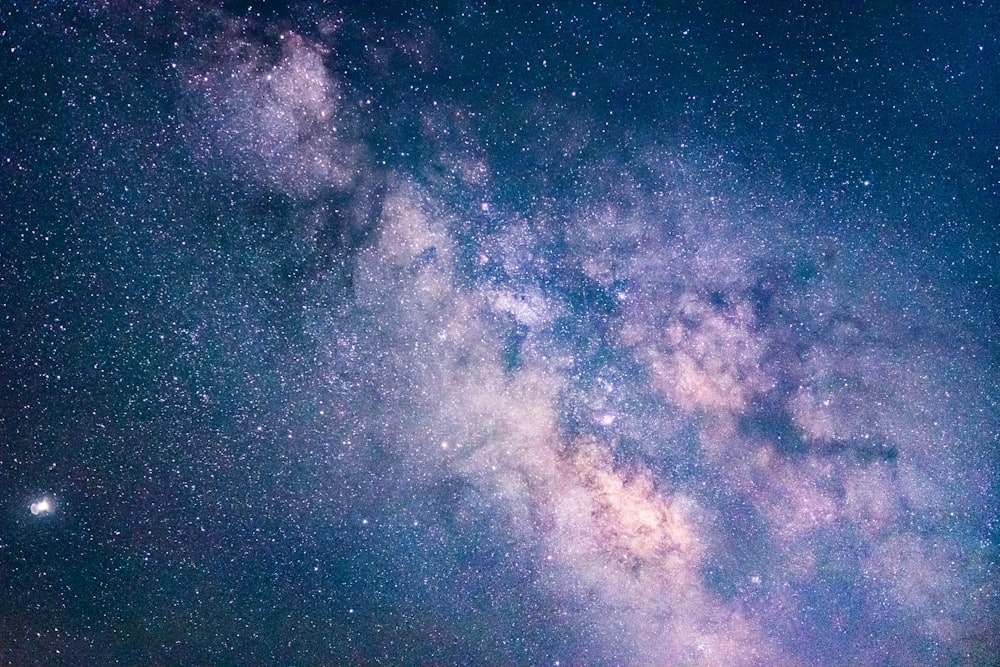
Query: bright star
41	506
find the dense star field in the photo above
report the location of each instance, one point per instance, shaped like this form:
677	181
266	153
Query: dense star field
562	334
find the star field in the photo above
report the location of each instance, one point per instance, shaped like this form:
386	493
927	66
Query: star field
458	334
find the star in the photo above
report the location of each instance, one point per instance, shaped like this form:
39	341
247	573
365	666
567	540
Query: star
41	506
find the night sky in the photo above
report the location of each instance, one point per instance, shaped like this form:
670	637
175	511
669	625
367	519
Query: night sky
562	334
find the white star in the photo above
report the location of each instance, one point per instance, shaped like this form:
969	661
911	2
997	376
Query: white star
41	506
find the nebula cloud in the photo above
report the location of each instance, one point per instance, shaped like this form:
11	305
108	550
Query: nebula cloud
283	125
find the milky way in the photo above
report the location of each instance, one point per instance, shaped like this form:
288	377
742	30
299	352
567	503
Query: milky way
476	336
